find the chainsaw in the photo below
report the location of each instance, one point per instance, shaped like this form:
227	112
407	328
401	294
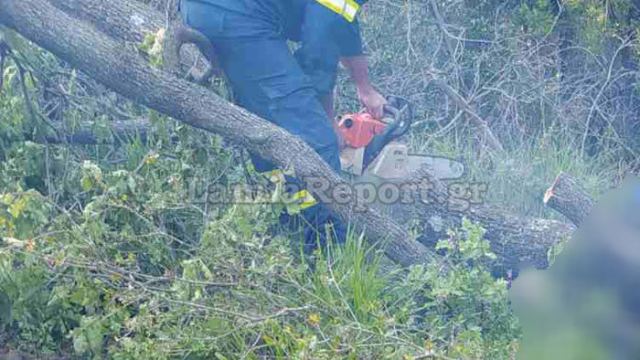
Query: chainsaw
373	150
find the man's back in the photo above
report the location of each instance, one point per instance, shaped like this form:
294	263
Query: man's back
287	15
243	5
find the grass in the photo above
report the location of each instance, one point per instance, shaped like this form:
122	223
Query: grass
519	178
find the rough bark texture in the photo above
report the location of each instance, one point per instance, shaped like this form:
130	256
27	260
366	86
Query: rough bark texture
516	240
131	21
128	20
124	71
568	198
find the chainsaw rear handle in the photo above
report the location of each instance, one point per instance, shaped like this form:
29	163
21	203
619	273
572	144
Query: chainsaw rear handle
398	116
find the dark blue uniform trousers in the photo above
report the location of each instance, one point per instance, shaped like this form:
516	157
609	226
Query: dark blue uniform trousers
267	80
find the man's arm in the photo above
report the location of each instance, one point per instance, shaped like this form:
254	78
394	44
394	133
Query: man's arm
358	68
328	38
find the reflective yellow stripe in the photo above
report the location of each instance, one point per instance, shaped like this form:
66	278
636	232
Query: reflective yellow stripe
347	8
305	198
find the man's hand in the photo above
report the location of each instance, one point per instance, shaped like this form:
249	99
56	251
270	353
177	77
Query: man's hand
373	101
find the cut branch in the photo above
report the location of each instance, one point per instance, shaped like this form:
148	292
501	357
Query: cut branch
568	198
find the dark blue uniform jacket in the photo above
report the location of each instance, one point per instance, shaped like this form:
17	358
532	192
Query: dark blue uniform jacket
324	36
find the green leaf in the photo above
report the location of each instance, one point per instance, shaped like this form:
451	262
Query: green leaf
88	338
87	183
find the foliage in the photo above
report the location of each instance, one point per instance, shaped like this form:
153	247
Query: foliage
151	46
124	267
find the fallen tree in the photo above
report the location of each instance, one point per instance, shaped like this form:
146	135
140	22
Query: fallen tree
515	239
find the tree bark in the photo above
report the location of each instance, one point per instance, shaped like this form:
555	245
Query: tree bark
124	71
516	240
568	198
132	21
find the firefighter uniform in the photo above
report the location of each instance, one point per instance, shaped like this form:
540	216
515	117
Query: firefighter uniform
251	37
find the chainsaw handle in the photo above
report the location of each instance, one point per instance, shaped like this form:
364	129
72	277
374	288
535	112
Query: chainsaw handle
400	111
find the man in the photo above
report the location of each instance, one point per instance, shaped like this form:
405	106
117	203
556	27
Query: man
294	91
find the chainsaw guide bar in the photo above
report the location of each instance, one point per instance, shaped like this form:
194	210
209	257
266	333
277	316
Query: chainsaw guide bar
372	150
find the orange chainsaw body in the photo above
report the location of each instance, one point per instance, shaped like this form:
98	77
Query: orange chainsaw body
357	130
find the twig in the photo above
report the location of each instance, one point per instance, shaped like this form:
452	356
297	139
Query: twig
4	52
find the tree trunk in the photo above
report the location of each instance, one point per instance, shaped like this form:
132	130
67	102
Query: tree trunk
516	240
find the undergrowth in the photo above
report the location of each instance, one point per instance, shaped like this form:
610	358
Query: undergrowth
122	266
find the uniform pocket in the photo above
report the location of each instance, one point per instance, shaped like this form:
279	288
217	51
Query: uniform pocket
294	106
280	89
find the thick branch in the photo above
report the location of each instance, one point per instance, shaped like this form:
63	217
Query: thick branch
516	239
124	71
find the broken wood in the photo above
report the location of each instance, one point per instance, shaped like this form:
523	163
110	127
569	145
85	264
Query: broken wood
568	198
